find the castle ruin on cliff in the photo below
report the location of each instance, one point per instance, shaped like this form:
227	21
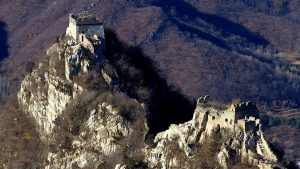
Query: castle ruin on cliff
242	117
86	30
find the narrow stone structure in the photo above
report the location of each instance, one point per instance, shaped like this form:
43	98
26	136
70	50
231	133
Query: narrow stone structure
87	29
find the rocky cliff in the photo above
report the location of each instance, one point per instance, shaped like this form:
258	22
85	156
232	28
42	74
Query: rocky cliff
74	98
106	140
46	91
186	145
88	121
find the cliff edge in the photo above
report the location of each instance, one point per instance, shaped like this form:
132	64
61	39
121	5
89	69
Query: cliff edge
88	120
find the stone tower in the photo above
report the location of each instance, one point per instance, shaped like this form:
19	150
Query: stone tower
87	29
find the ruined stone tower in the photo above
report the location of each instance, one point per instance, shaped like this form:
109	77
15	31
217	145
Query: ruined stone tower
86	29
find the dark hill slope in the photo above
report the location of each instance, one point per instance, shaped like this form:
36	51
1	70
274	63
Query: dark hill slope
215	45
227	49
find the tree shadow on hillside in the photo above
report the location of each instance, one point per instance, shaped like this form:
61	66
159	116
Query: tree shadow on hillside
3	41
166	104
220	24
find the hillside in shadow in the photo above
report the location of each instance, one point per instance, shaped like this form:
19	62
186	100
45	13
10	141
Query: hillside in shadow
142	81
3	41
207	47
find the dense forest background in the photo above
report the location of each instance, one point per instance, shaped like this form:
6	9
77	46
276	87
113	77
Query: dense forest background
234	50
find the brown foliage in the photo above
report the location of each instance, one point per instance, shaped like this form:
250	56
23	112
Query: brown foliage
21	146
285	138
190	60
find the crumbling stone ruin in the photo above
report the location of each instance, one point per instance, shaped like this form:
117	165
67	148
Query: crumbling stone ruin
240	118
55	83
234	116
239	123
87	29
75	55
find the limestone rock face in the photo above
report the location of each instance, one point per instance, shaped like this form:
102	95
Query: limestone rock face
119	166
105	134
105	137
178	146
79	61
108	130
45	92
183	134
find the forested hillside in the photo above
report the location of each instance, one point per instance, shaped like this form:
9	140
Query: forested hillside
232	50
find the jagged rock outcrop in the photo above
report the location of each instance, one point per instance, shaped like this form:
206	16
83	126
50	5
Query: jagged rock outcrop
241	141
101	131
182	134
75	98
106	135
46	91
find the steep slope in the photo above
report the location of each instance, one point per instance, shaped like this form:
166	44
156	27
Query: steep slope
233	50
20	141
46	91
203	27
236	48
84	118
91	112
104	139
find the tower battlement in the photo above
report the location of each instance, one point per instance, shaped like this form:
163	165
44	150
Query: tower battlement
84	18
244	106
244	109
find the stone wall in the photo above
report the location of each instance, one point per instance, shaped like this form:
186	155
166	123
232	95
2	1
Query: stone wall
267	152
72	29
247	125
245	109
222	119
86	42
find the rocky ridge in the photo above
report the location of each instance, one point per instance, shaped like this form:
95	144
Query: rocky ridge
106	135
45	92
240	143
108	129
60	82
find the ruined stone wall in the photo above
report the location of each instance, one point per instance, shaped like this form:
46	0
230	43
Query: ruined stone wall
267	152
247	125
72	29
240	145
91	30
246	109
86	42
223	120
243	115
